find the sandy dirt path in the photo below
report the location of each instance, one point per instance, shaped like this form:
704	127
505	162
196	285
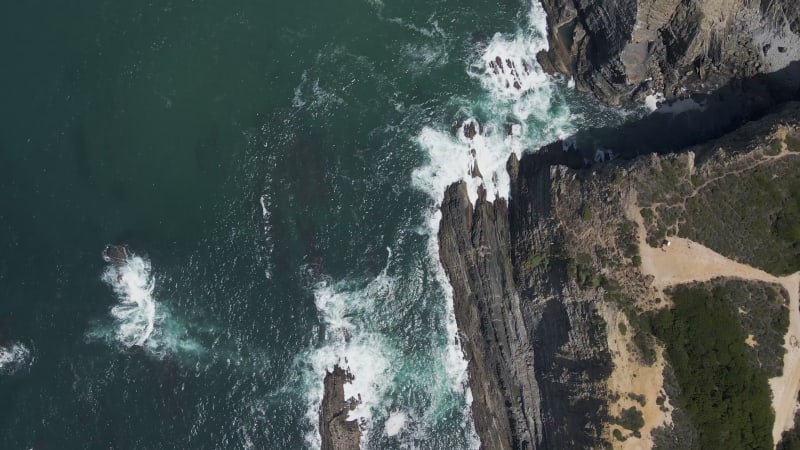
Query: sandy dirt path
685	261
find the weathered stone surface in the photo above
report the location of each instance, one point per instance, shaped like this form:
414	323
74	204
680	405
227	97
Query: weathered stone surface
530	275
627	49
336	431
536	361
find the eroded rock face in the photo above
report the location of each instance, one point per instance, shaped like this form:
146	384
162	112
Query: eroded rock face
537	360
538	280
336	431
627	49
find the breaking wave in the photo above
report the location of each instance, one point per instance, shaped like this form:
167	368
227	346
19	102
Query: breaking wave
14	357
520	108
138	319
352	340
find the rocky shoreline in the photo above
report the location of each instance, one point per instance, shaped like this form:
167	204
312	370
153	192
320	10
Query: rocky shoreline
623	50
336	431
553	288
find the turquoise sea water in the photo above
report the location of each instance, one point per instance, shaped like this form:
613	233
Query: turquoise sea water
275	171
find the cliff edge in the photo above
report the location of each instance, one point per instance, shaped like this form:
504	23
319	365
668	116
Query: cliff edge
585	301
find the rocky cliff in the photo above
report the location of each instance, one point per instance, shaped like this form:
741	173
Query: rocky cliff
536	359
628	49
555	289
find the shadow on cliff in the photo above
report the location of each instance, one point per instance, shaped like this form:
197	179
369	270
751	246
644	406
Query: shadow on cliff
684	123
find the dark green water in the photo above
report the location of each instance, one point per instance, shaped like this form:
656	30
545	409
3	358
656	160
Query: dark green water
278	167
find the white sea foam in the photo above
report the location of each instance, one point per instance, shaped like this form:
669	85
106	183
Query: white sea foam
508	68
520	111
353	342
136	311
310	94
395	423
139	320
14	357
266	215
421	58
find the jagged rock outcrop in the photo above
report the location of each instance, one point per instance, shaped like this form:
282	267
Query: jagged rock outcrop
623	49
537	359
336	431
475	250
544	283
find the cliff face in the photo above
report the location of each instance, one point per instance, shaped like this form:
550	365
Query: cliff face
623	49
537	362
555	289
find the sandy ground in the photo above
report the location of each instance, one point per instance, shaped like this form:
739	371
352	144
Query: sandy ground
686	261
629	376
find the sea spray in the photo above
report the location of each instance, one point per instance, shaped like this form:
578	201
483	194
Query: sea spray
138	319
14	357
520	109
353	341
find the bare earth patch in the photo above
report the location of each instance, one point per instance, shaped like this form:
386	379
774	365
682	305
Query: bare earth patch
684	261
630	376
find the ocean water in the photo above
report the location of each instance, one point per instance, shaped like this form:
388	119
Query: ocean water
275	172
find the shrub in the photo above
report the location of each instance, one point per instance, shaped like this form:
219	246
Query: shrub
724	396
586	213
535	261
631	419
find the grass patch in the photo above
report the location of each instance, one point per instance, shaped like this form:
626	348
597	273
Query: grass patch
535	261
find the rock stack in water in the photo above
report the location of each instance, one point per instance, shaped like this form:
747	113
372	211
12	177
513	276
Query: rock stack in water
336	431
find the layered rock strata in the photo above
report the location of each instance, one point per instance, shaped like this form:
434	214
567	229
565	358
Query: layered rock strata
548	286
623	49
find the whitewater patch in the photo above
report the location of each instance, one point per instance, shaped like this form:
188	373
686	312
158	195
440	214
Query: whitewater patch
14	357
395	423
138	319
521	108
352	340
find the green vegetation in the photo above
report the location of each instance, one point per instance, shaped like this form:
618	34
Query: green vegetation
775	147
668	183
587	213
760	308
631	419
724	396
642	334
753	216
641	399
793	143
626	235
618	435
572	269
623	329
535	261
